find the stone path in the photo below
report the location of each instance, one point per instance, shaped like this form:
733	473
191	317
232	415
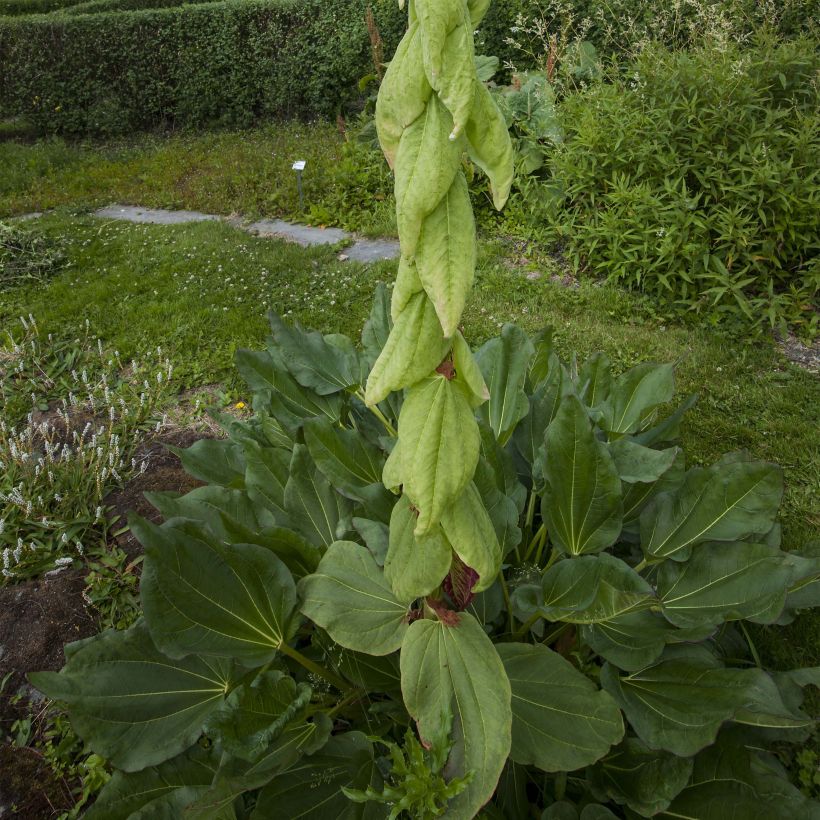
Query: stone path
362	250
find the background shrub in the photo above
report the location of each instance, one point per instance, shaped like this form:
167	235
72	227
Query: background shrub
695	178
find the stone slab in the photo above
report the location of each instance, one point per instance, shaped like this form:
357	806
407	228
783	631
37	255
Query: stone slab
301	234
153	216
373	250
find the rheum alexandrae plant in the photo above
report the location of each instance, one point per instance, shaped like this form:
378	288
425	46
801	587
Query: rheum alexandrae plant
501	554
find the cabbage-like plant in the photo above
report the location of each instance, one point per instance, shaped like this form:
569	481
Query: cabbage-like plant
495	566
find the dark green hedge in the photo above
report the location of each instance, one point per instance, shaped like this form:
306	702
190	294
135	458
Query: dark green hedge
13	8
99	6
225	63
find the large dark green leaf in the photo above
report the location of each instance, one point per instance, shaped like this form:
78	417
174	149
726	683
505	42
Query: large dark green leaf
680	704
351	464
634	395
201	596
146	790
229	514
151	789
730	780
349	596
455	670
236	776
254	715
595	380
591	589
131	703
312	789
644	779
504	362
325	364
582	506
636	463
561	720
544	404
214	461
637	496
266	476
314	508
630	641
724	582
278	392
415	565
377	327
730	501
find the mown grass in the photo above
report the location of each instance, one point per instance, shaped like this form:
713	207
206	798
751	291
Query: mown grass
222	172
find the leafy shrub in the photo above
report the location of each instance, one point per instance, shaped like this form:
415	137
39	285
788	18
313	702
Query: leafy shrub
83	420
695	178
616	628
14	8
26	256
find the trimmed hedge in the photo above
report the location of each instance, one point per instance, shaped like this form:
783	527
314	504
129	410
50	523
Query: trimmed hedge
224	63
14	8
99	6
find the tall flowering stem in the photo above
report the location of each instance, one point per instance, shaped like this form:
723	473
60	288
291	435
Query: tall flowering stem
432	114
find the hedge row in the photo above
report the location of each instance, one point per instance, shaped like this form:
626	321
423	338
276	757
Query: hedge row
225	63
99	6
13	8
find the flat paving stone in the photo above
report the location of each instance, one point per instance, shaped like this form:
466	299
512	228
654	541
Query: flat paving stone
153	216
301	234
373	250
364	250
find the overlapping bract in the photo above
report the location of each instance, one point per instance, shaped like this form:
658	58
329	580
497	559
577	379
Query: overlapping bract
433	111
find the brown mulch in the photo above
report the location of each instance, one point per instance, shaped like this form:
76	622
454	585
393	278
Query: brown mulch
36	619
164	473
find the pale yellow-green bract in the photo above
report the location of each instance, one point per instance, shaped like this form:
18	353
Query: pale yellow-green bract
432	116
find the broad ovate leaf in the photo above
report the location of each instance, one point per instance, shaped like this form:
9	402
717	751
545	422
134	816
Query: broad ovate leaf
214	461
131	703
730	501
312	789
724	582
470	532
439	442
350	598
631	641
591	589
415	347
415	565
634	395
561	720
504	362
489	144
638	464
313	507
201	596
446	254
680	703
325	364
151	789
255	714
644	779
455	670
582	506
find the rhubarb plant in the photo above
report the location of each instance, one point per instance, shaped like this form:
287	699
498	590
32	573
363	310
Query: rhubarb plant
495	565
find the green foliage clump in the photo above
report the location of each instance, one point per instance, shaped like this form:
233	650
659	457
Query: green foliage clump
694	177
617	626
26	256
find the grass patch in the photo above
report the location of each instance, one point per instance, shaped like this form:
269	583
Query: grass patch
223	172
